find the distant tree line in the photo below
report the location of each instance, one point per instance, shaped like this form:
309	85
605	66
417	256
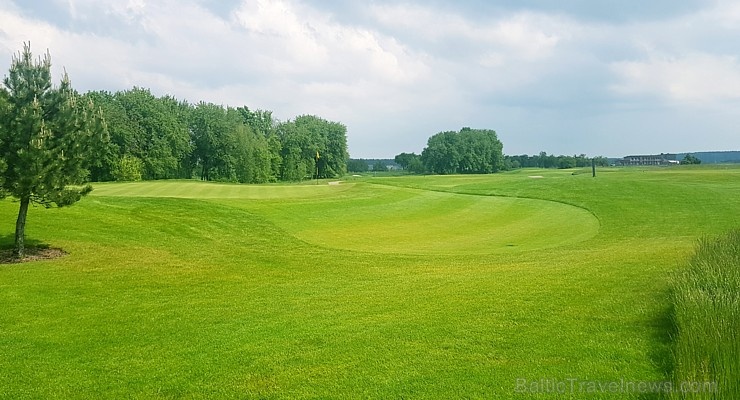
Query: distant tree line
544	160
479	151
710	157
359	165
163	138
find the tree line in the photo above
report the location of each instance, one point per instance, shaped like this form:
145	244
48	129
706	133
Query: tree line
478	151
358	165
544	160
164	138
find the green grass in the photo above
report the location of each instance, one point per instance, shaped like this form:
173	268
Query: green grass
706	299
385	287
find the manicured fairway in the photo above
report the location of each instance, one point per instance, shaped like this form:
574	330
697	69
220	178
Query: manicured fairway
412	287
391	220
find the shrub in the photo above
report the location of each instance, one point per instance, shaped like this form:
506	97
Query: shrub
128	168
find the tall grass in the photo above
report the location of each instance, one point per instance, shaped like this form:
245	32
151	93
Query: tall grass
707	316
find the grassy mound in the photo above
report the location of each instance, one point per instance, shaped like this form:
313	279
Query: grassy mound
707	317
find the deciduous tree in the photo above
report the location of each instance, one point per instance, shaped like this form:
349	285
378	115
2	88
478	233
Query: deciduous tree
470	151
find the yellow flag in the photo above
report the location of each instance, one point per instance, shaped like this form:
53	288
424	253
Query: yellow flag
317	155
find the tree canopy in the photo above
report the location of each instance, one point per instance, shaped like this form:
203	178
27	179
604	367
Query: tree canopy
313	147
469	151
163	138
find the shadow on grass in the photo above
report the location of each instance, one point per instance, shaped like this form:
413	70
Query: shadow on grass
34	249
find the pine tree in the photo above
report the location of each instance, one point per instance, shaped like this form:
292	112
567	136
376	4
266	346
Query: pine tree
48	135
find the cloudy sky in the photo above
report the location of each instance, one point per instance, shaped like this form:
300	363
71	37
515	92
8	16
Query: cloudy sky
567	77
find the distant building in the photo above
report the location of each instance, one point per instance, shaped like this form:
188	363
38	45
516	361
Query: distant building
652	159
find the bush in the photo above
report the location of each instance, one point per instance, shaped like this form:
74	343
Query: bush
128	168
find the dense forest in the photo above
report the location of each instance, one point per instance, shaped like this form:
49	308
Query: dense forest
164	138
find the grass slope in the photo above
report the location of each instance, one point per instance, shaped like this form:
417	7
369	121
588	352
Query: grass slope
187	289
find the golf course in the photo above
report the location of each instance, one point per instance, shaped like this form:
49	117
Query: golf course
499	286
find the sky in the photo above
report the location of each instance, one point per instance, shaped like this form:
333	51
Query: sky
607	78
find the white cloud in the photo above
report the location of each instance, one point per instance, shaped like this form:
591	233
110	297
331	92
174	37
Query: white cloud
524	35
129	10
725	14
15	30
277	23
693	78
301	41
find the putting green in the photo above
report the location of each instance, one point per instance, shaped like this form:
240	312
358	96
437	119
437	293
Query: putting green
391	220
